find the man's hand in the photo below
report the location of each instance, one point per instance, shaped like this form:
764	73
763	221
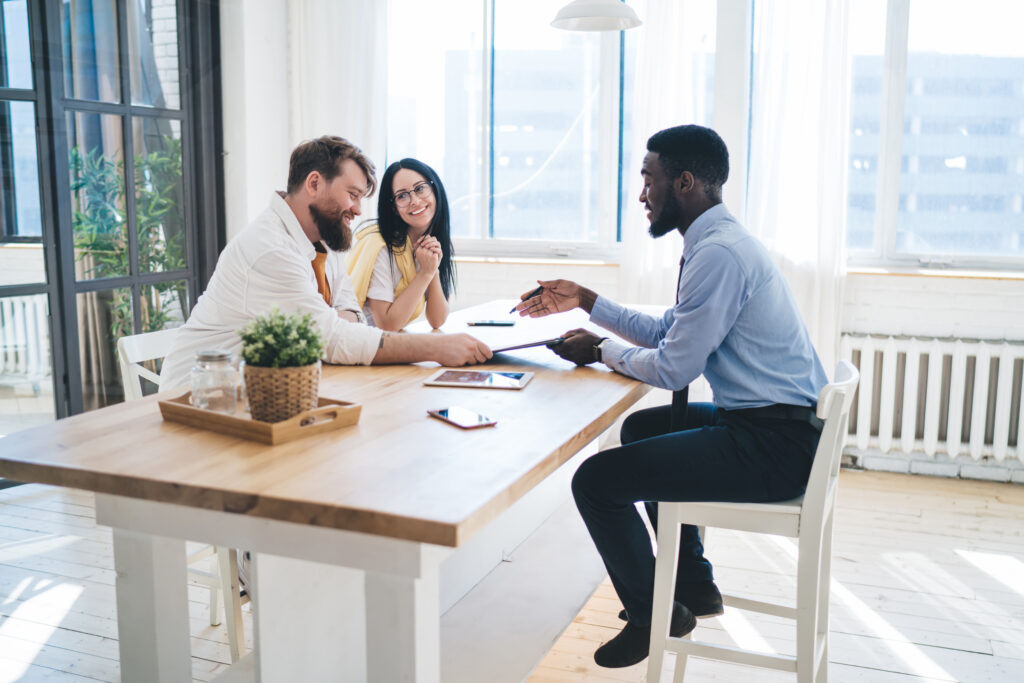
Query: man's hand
454	350
556	296
578	346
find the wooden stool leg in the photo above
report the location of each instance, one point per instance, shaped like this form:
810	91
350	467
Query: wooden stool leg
227	561
215	595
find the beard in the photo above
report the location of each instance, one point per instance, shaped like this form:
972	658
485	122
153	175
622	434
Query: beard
668	219
333	230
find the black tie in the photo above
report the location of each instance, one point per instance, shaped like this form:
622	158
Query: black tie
680	398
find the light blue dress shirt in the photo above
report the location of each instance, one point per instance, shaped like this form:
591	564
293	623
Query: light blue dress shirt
735	322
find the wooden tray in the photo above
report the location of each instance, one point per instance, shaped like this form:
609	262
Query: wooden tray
329	414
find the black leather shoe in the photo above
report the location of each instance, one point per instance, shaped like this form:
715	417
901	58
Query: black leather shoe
633	642
702	598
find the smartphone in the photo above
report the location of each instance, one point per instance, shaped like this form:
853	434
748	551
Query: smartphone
462	417
491	323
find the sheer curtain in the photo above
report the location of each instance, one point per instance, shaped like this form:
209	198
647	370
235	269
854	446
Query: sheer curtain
796	201
338	71
671	87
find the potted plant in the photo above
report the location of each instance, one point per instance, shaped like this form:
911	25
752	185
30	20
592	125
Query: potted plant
282	365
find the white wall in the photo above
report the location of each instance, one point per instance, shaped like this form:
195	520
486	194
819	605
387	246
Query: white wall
255	94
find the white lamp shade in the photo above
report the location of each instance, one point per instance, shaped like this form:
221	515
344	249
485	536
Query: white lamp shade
596	15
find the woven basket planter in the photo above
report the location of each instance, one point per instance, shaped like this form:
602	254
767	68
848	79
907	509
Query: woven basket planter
277	394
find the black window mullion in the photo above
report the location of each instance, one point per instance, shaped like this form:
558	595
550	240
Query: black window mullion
128	150
44	19
23	290
188	165
117	108
199	24
130	280
19	94
8	199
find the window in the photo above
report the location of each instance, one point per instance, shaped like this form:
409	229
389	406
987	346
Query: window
520	120
937	134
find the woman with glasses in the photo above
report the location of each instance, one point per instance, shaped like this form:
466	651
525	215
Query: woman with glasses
402	264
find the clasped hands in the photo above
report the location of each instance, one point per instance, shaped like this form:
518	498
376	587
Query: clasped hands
558	296
428	253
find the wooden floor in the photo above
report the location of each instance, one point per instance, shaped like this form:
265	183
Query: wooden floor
58	620
928	585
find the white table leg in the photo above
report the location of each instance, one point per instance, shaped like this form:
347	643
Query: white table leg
308	621
152	607
403	626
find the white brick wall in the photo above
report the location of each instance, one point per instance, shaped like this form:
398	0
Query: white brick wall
165	49
984	307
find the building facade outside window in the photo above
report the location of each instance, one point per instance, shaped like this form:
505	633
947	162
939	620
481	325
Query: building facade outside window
937	134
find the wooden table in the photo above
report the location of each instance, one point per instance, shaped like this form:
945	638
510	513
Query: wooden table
348	529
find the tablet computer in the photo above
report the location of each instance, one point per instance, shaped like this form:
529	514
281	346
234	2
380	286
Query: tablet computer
479	379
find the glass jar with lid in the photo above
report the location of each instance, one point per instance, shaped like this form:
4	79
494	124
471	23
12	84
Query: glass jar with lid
215	382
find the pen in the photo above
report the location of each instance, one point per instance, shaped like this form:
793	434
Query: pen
531	295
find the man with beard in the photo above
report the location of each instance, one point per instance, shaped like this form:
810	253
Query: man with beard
290	258
735	322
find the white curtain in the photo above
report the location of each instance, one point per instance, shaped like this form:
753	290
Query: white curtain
338	72
796	201
671	88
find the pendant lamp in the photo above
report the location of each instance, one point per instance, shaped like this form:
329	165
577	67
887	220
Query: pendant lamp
596	15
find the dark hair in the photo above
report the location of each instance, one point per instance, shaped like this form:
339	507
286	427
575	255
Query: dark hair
325	154
696	149
394	230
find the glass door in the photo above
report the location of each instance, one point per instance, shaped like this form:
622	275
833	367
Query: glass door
109	134
26	359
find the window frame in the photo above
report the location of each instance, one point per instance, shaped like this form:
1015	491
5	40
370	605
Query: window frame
610	173
883	252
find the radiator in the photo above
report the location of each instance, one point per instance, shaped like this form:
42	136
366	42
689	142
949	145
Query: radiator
24	340
936	396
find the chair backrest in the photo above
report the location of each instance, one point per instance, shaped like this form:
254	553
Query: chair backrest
834	408
133	351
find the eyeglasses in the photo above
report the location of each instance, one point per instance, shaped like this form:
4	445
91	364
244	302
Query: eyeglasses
423	190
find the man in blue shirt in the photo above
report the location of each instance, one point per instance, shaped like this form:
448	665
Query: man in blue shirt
735	322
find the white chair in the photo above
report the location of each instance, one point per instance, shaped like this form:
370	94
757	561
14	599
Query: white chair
132	352
808	518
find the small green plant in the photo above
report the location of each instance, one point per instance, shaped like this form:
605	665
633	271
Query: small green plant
277	340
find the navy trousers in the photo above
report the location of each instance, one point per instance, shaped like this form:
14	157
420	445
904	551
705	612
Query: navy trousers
716	456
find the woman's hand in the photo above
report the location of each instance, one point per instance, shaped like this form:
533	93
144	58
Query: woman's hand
428	254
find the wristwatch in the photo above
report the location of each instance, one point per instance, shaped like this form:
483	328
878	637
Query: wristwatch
597	349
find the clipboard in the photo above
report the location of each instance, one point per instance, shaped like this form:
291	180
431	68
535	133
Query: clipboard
544	342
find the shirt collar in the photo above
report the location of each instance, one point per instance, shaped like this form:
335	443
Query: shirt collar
697	230
291	225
